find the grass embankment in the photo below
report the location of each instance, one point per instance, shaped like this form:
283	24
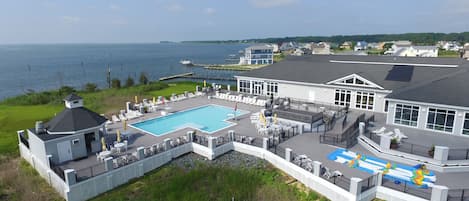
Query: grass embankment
173	183
19	181
446	53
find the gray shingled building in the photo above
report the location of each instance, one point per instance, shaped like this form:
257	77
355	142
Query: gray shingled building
422	93
72	134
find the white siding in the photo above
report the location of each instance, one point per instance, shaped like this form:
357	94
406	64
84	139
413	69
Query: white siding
423	114
302	92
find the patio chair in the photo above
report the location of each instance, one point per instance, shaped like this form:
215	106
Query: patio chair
400	134
115	118
122	117
337	173
389	134
381	130
326	172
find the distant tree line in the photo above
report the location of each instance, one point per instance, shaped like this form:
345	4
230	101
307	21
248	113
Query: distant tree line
416	38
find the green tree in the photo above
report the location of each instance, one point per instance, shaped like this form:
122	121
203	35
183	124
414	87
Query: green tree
65	90
116	83
91	87
129	82
143	78
386	46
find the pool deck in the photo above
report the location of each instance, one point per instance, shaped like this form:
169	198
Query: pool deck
307	143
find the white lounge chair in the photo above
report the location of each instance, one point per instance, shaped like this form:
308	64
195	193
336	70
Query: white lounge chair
122	117
400	134
115	118
381	130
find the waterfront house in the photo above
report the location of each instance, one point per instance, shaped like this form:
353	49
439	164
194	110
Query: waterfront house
413	51
72	134
360	46
258	54
320	48
427	94
346	45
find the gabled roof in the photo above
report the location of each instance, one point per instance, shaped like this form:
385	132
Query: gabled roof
72	97
75	119
320	69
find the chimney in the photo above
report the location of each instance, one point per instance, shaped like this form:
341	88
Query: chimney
39	127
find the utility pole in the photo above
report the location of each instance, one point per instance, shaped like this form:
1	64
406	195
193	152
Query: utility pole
109	76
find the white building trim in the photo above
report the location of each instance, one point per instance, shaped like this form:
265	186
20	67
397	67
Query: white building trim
367	83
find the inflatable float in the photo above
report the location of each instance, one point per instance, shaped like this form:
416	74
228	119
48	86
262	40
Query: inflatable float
416	176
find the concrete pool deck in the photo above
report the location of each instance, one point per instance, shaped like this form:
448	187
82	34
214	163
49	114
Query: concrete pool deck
307	143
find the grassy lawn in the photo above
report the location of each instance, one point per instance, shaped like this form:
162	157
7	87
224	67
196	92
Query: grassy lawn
210	183
14	118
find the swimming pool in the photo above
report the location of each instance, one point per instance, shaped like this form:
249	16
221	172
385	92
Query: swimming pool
208	118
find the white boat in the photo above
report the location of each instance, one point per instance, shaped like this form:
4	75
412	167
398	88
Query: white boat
186	62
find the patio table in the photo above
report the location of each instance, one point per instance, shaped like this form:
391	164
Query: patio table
104	154
120	146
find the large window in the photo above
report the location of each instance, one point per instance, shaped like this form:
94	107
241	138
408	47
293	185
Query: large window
465	129
258	88
245	86
440	119
272	88
406	115
365	100
342	97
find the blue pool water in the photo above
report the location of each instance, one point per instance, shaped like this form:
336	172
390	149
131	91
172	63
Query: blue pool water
209	118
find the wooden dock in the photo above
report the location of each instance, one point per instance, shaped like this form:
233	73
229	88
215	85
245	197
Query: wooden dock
191	76
176	76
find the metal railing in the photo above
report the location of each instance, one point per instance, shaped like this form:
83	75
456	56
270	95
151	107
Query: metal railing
415	149
24	140
458	195
88	172
57	169
346	139
368	183
405	187
375	138
340	181
458	154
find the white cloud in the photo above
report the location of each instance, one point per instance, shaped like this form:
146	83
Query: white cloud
209	11
175	7
70	19
271	3
114	7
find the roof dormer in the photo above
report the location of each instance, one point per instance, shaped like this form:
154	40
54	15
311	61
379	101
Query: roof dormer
73	101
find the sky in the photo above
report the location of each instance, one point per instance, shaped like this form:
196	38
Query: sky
147	21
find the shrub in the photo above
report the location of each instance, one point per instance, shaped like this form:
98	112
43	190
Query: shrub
129	82
90	87
116	83
65	90
143	78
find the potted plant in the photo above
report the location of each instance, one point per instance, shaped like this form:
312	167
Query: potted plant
431	151
394	143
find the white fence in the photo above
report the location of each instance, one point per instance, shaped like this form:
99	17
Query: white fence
55	181
99	184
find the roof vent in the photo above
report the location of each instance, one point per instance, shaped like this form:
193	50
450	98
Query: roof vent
39	127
